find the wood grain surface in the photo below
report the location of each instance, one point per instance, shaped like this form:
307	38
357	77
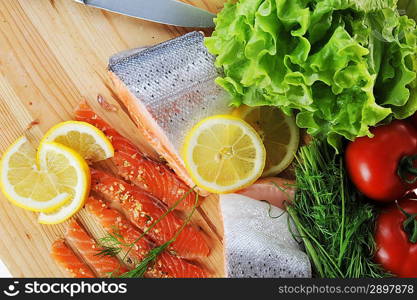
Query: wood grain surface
53	53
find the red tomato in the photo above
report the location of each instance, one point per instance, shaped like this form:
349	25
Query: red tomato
395	252
382	167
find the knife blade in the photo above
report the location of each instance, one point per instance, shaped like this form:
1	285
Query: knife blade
169	12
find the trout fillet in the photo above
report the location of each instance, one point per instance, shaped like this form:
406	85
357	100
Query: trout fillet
86	246
143	210
154	177
69	261
168	88
166	265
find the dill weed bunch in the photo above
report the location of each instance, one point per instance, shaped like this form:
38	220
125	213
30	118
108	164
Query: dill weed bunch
332	218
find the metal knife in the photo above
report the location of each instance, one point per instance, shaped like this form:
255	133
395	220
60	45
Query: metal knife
170	12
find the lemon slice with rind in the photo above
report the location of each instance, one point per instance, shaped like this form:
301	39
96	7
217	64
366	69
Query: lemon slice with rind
24	184
72	175
43	185
84	138
278	132
223	154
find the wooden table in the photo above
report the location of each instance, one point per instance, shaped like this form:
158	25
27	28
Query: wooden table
53	53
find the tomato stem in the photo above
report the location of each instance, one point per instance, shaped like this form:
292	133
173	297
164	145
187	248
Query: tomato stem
406	169
409	225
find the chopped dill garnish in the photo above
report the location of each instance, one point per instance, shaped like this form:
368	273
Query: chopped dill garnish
142	267
111	244
333	219
109	251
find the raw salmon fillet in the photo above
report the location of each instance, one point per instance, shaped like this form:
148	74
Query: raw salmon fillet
88	249
179	268
167	89
154	177
143	210
116	224
166	265
68	260
274	190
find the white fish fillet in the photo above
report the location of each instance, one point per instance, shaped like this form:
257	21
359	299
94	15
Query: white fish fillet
257	245
168	88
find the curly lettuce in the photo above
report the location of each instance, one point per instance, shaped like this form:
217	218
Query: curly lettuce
340	65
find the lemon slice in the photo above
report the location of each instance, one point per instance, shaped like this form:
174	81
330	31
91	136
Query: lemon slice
24	184
72	176
223	154
278	132
82	137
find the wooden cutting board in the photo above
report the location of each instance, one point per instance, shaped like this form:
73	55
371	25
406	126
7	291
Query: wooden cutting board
53	53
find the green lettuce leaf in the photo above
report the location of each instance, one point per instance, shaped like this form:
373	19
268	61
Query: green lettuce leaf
341	65
408	7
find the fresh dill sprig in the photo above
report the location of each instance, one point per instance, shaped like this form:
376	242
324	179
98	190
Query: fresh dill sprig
284	190
170	209
111	244
141	268
334	221
270	211
109	251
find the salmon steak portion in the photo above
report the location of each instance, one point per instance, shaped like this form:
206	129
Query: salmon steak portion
143	210
166	265
168	89
104	266
69	261
154	177
118	226
274	190
176	267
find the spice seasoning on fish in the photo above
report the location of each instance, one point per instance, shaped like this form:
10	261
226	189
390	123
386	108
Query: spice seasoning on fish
189	244
141	268
87	248
123	235
154	177
69	261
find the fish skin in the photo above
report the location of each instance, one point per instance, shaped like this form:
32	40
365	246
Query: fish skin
257	245
88	248
169	88
142	210
69	261
154	177
166	265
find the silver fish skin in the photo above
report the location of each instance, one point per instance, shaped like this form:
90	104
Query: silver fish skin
170	89
258	246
